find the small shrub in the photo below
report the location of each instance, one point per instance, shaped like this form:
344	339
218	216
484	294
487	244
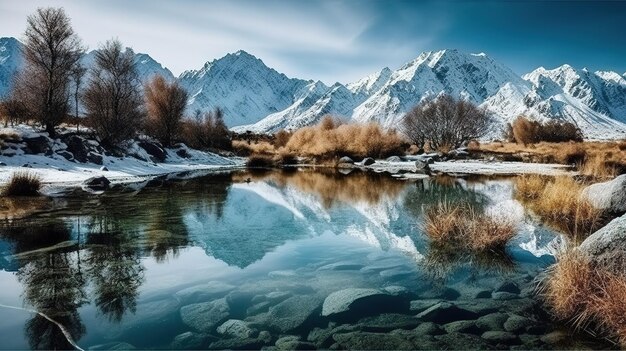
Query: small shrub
281	138
461	226
526	131
244	148
285	158
260	161
22	184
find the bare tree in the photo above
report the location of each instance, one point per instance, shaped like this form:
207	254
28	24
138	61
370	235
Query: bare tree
51	50
112	99
77	75
165	104
12	110
445	122
207	131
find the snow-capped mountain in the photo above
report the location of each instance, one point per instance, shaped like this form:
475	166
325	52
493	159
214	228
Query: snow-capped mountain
147	67
10	62
593	101
243	86
256	97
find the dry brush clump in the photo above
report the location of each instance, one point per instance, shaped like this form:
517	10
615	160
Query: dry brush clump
165	104
460	226
588	296
526	131
330	139
558	201
22	184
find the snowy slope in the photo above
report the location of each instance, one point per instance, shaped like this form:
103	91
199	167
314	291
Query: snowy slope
10	62
147	67
243	86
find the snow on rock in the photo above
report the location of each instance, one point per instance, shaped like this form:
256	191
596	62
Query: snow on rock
57	167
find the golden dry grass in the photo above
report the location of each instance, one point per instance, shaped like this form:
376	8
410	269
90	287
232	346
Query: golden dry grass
587	296
592	158
559	203
329	140
461	226
242	147
22	183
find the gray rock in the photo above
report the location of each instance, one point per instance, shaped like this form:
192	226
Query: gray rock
428	328
346	159
417	306
293	313
501	337
155	150
97	183
365	301
492	321
422	165
292	342
483	294
442	293
26	165
205	316
387	322
518	324
277	296
608	196
257	308
607	246
394	159
323	338
504	296
445	312
555	338
509	287
66	155
37	145
204	292
463	326
237	344
104	169
2	164
462	341
191	341
368	161
94	158
373	341
235	328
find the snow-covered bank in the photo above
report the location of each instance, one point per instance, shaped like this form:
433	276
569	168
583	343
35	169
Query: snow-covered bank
59	167
475	167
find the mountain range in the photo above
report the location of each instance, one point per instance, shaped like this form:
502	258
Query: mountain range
258	98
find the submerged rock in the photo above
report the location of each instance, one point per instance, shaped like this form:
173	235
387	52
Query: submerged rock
359	302
293	313
235	328
607	246
191	341
204	292
206	316
445	312
608	196
373	341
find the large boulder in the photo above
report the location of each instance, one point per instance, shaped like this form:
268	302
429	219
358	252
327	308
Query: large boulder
153	149
294	313
77	146
608	196
206	316
607	246
97	183
37	145
360	302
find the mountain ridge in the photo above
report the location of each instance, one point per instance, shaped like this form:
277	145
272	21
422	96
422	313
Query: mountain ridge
258	98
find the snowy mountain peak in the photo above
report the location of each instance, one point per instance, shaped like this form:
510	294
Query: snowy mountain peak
10	62
371	83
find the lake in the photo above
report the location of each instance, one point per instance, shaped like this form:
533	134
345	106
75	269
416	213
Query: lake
296	258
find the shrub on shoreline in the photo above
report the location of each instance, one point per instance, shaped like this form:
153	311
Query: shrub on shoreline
586	295
526	131
22	184
559	203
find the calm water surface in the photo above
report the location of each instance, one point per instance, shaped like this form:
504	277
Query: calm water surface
166	266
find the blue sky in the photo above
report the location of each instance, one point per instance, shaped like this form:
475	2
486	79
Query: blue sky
346	40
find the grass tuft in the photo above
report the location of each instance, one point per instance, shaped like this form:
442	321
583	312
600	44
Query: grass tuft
462	226
585	295
559	203
22	183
